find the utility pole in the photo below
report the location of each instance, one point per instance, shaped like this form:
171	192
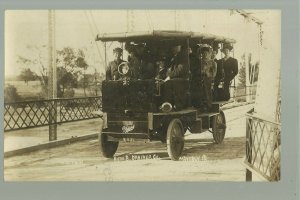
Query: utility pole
52	82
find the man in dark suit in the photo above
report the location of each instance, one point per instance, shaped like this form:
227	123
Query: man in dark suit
112	68
174	92
177	66
227	70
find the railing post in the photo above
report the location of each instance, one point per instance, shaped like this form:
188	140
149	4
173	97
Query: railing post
248	147
53	121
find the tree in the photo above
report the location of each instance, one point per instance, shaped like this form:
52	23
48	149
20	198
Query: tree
36	58
97	79
11	94
242	72
65	80
242	76
81	63
252	67
27	75
70	64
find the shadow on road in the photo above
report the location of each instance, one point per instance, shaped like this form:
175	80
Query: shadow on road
231	148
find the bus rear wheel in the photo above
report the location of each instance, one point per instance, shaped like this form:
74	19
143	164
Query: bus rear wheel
219	127
175	139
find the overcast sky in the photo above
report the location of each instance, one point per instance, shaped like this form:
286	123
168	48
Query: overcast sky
78	29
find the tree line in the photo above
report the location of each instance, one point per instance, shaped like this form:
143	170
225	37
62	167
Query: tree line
72	73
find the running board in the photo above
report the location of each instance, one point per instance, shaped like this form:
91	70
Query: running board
206	119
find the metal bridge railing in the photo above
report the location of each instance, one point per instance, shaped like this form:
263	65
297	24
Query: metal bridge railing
29	114
262	148
239	93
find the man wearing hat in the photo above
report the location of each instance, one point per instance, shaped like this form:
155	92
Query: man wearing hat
177	64
177	68
140	62
229	66
112	68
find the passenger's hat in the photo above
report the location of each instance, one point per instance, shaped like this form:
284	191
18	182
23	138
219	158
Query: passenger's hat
227	46
119	50
204	47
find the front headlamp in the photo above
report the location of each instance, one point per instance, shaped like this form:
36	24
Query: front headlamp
123	68
166	107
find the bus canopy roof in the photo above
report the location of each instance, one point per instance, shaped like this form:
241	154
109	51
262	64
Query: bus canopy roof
161	35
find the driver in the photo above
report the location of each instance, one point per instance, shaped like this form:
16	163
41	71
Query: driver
112	68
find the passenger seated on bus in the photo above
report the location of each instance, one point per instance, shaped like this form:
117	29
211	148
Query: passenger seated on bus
161	72
134	63
228	69
174	91
140	62
147	68
177	65
208	73
111	71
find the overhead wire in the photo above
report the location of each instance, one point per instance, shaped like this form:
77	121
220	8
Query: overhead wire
93	35
94	22
149	20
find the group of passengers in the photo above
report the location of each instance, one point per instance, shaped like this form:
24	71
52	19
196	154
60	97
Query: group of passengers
146	64
149	63
207	69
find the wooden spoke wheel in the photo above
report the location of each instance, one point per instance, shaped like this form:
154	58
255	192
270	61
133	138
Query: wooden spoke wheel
107	148
219	127
175	139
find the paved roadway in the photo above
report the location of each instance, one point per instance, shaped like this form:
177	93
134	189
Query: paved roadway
139	161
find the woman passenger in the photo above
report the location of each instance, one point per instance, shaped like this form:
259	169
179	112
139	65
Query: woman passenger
208	73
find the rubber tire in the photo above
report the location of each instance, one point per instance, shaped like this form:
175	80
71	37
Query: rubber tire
175	139
107	148
217	131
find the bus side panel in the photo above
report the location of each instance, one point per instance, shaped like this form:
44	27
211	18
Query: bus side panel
136	96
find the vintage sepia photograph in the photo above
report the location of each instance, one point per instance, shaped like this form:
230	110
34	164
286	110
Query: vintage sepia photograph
142	95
